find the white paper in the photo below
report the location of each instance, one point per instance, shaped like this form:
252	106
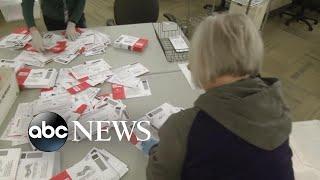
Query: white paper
70	53
143	89
41	78
160	115
33	58
16	41
127	75
8	63
187	74
137	69
9	160
59	104
90	68
117	164
38	165
21	120
92	167
305	142
50	40
179	44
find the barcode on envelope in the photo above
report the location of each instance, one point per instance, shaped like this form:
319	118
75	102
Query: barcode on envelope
153	113
48	75
145	85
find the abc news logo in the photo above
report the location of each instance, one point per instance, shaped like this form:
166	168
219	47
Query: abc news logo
48	131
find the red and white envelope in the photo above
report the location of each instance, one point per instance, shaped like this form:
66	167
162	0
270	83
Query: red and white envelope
36	78
131	43
79	88
123	92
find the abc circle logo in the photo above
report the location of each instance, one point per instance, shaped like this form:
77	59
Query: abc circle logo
48	131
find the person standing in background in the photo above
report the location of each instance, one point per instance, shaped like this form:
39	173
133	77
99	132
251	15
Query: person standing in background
57	15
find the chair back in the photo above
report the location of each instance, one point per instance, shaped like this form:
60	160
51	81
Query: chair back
135	11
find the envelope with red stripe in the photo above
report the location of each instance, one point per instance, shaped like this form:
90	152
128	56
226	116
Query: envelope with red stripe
123	92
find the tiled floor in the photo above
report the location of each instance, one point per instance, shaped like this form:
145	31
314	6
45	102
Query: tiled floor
292	53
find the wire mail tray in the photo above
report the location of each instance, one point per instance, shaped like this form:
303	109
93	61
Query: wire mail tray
163	33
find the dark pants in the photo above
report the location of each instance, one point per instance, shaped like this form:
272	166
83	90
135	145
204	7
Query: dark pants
53	25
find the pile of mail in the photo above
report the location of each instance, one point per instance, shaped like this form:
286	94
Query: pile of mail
157	118
98	42
126	83
58	48
84	106
130	43
32	58
15	164
16	40
51	42
93	72
97	164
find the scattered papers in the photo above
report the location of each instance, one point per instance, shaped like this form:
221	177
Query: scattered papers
59	49
17	129
71	52
51	42
36	78
97	164
122	92
187	74
130	43
127	75
34	58
179	44
96	71
9	160
15	164
38	165
16	65
16	40
116	163
306	161
99	44
111	110
159	115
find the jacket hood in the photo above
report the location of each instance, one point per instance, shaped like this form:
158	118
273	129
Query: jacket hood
252	108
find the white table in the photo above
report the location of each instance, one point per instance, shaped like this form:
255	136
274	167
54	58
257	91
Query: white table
167	84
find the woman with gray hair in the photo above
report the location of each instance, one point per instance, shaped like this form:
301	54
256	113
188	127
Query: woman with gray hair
239	128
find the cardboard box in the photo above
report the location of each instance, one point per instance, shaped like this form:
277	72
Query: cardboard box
9	91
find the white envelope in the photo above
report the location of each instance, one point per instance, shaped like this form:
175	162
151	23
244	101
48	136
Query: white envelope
9	160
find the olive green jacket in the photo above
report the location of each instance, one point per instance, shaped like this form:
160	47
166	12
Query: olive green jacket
253	109
53	9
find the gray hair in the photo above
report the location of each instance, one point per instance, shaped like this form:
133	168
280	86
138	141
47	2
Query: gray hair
225	44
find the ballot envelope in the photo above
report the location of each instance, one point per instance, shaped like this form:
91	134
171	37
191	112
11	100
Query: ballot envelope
9	91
